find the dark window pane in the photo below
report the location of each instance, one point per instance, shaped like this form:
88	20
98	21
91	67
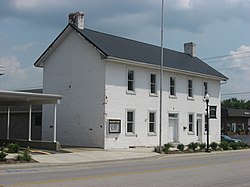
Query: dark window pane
129	127
131	85
153	90
152	117
151	127
130	75
153	78
130	116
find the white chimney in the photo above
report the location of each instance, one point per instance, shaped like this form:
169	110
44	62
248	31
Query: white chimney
189	48
77	19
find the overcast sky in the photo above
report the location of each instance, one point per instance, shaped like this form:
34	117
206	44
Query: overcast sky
218	27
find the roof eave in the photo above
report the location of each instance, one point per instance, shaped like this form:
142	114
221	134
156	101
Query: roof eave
153	66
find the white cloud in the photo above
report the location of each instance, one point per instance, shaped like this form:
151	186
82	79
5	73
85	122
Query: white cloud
238	72
17	78
23	48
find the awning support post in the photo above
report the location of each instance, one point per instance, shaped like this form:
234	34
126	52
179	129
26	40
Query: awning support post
55	105
8	124
30	113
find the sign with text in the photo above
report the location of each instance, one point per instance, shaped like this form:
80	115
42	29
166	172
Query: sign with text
212	112
114	126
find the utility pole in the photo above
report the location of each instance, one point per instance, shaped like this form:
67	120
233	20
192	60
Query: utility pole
161	76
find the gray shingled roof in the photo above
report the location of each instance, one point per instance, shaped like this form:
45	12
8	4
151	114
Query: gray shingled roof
232	112
128	49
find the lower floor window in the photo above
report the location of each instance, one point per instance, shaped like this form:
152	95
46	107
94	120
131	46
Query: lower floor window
130	121
191	123
152	122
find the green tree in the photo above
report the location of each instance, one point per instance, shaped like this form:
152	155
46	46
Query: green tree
235	103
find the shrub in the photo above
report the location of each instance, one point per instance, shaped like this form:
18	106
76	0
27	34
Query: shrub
180	147
166	147
224	145
234	145
25	156
214	145
243	145
2	155
193	146
202	146
13	148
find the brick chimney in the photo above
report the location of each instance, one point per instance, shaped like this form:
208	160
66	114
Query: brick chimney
189	48
77	19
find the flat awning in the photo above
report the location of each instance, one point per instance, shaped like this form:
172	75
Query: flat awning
12	98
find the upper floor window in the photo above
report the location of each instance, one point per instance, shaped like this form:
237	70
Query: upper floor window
190	88
172	86
191	123
130	121
152	122
205	88
131	81
153	83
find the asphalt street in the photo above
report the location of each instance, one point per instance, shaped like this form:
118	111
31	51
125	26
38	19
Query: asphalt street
227	169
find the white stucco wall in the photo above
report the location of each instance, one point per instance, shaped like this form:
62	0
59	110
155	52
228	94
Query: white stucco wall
118	101
75	71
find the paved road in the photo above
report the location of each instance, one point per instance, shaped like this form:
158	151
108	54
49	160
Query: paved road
217	170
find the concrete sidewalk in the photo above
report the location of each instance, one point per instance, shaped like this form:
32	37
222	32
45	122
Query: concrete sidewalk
85	155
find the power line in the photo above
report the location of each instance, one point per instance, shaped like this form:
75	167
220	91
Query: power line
221	56
226	60
234	67
236	93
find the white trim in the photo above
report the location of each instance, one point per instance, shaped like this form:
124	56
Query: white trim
54	137
156	84
8	123
133	127
155	122
134	78
30	121
157	67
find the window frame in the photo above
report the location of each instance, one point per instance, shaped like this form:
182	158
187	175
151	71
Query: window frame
130	81
153	84
172	86
151	122
190	88
133	122
191	123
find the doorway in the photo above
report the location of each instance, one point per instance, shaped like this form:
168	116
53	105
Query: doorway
199	127
173	128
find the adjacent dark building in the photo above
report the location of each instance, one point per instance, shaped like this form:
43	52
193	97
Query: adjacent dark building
235	121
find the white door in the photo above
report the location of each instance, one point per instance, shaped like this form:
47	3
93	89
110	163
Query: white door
198	128
173	128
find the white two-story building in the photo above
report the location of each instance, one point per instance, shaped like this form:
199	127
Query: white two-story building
110	88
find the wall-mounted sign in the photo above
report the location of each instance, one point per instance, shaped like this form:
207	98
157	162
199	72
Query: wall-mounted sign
114	126
212	112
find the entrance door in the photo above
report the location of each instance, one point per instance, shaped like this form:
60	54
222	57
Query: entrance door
199	127
173	128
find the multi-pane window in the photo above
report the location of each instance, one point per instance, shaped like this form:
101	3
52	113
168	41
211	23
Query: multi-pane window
152	122
131	86
190	88
172	86
152	83
191	123
205	88
130	121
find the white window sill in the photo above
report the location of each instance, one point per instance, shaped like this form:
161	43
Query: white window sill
153	95
173	96
131	134
130	92
190	133
152	134
190	98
